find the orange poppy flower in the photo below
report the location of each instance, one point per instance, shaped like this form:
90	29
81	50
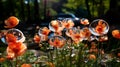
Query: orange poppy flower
26	65
55	25
37	39
69	32
116	34
92	57
76	37
68	24
57	42
45	31
50	64
10	38
100	28
11	22
86	32
84	22
15	49
2	59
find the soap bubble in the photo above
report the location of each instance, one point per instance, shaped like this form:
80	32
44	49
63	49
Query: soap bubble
57	41
99	27
17	33
56	26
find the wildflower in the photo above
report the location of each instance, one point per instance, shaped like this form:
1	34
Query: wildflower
37	39
84	21
70	32
11	22
68	23
56	26
17	33
86	33
10	38
77	36
2	59
92	57
15	49
50	64
100	28
116	34
57	41
26	65
45	31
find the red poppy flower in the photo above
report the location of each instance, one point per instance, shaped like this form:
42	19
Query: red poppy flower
26	65
116	34
55	25
100	28
15	49
10	38
11	22
92	57
57	41
68	24
84	22
45	31
37	39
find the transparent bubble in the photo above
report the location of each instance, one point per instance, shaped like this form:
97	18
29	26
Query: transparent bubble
99	27
20	36
68	23
70	31
57	41
55	25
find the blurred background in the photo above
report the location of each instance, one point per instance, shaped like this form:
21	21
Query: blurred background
41	12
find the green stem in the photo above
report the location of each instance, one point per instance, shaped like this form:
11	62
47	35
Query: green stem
16	64
70	58
79	54
56	59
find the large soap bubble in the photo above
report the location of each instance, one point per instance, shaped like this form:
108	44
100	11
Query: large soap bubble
16	32
99	27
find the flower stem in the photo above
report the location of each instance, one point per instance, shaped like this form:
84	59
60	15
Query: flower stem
16	64
70	58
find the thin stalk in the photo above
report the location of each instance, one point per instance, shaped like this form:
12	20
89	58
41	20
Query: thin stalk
70	58
16	62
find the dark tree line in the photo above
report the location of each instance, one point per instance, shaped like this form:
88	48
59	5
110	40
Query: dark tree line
30	10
